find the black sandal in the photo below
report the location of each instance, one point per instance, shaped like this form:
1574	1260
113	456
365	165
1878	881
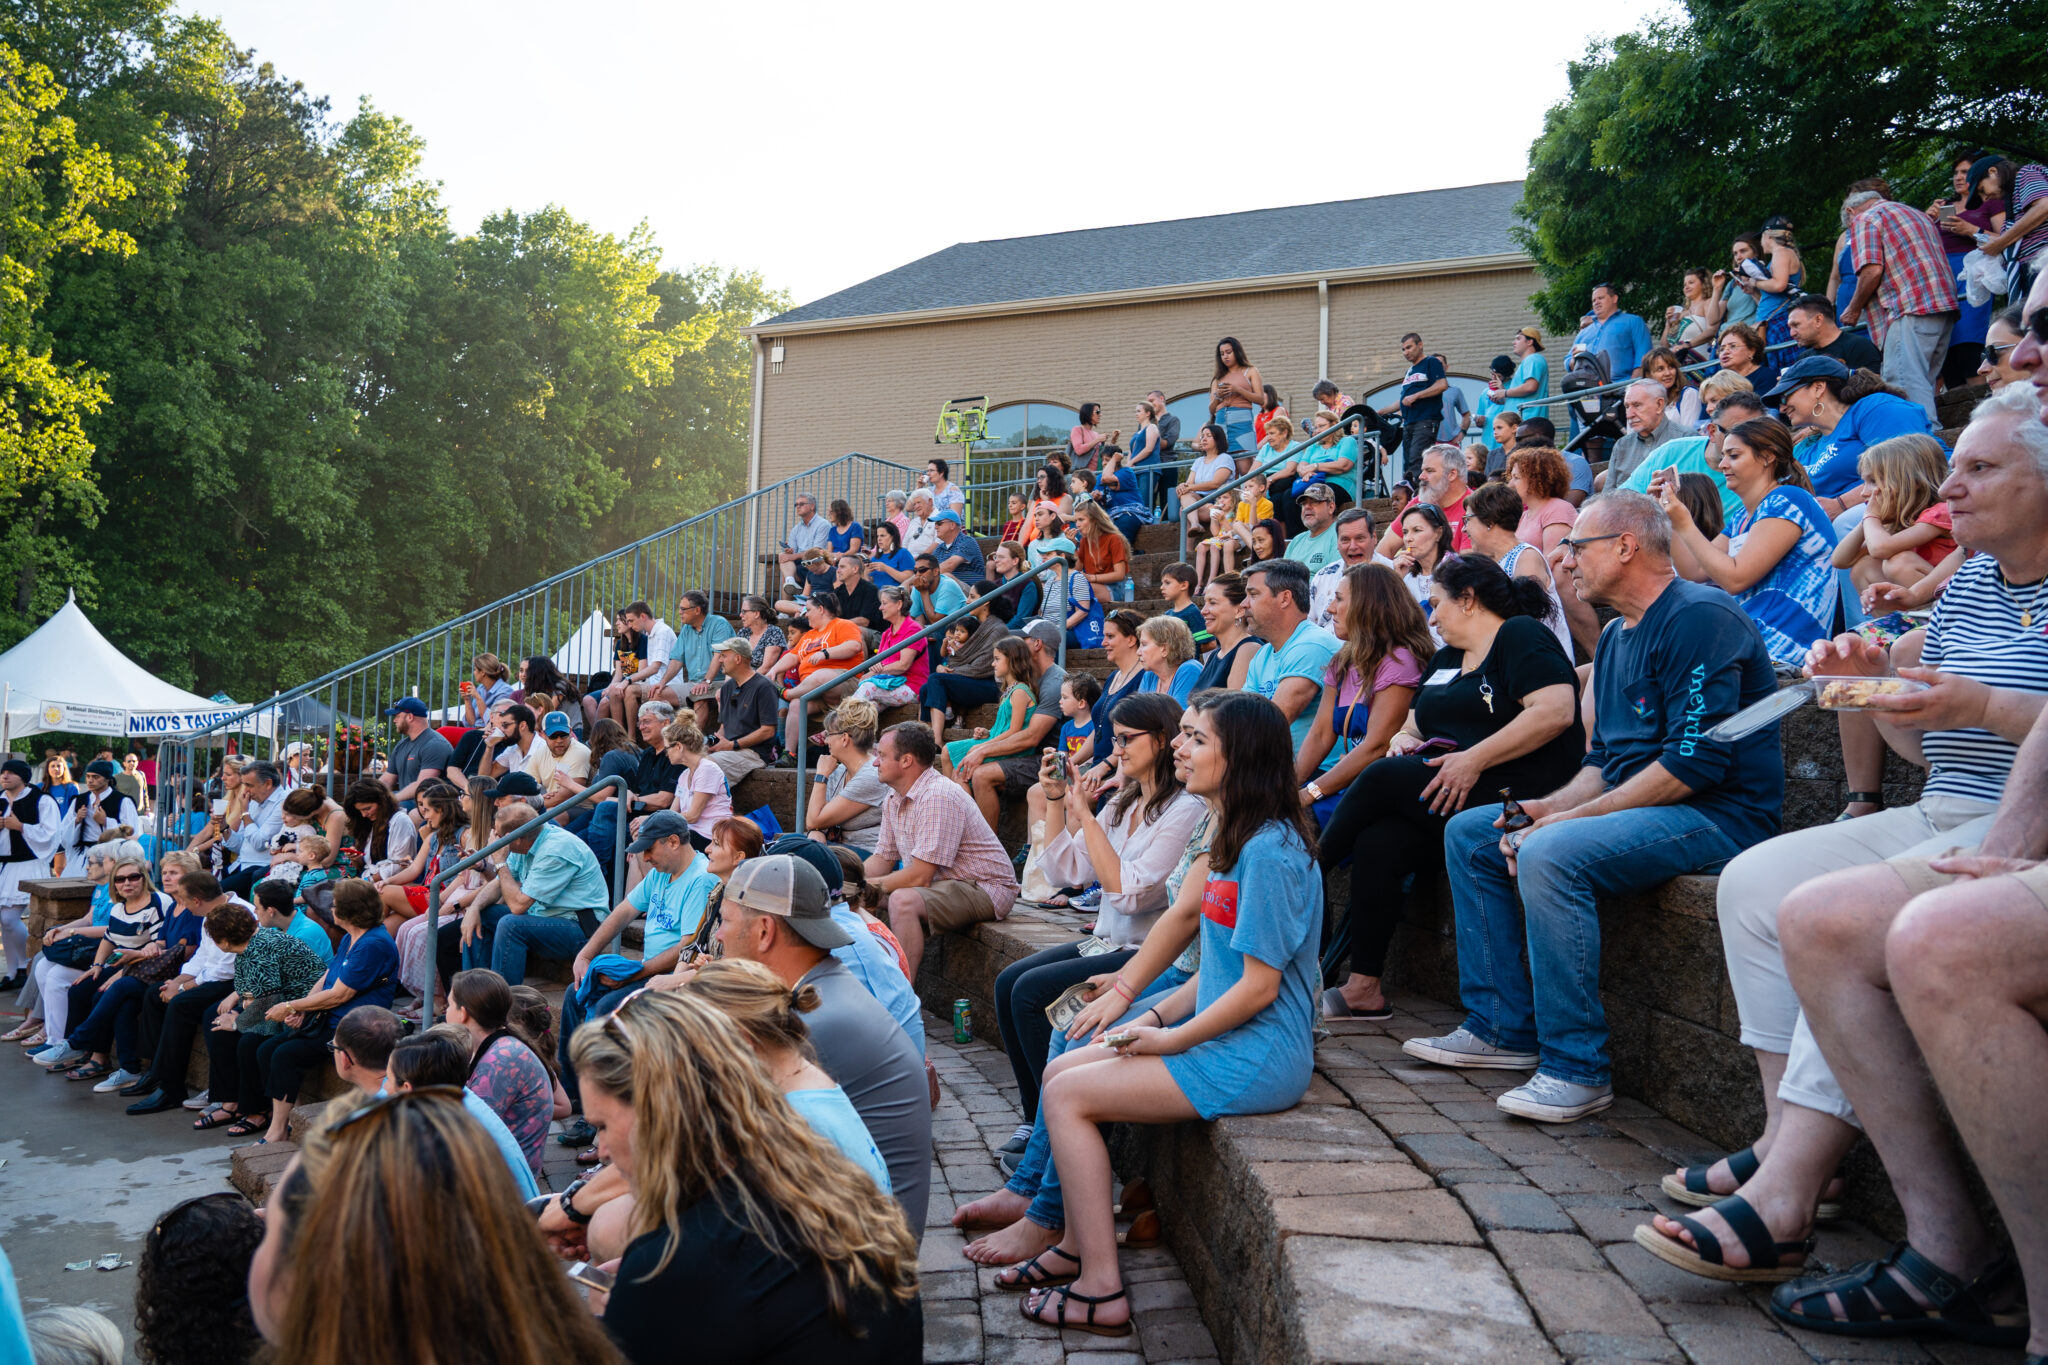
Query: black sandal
1066	1294
248	1127
1690	1187
1875	1302
1859	799
216	1118
1704	1259
1031	1275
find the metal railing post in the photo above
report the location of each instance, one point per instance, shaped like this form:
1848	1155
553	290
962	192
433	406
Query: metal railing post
441	878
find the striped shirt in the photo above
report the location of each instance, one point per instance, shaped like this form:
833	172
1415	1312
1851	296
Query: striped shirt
1904	241
2028	186
1976	633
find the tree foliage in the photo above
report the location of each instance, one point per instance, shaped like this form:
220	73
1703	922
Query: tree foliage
304	418
1677	137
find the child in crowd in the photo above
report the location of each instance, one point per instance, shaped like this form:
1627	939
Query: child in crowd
1078	695
1905	536
1209	552
956	635
286	863
1402	493
1080	489
1020	512
1178	584
1254	506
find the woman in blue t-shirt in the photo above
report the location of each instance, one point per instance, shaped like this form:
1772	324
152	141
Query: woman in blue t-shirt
364	971
891	562
842	532
1852	412
1777	558
1236	1040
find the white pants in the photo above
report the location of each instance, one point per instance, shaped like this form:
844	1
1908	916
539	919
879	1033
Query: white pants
1755	884
54	984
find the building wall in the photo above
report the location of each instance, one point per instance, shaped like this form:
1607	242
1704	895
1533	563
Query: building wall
879	390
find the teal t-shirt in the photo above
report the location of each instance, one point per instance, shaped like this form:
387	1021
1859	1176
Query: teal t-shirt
674	906
947	598
1687	455
1306	654
832	1114
312	935
1536	366
1314	550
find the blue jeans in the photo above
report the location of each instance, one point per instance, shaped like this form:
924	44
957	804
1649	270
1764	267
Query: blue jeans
574	1016
544	934
1852	601
113	1021
1553	1006
1036	1178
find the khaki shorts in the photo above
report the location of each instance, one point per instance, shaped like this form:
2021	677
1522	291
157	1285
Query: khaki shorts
955	905
1920	877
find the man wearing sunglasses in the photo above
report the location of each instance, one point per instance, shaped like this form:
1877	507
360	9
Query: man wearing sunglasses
1656	799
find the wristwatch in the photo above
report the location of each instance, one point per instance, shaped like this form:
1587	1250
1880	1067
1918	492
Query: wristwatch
1314	791
568	1203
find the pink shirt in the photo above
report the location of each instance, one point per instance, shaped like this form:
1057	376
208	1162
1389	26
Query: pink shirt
1556	512
921	659
705	777
1398	669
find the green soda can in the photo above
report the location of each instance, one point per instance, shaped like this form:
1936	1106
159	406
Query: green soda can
963	1021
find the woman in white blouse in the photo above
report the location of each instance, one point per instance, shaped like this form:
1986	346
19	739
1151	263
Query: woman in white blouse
1129	848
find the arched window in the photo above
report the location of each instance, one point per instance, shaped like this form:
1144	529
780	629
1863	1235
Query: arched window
1020	437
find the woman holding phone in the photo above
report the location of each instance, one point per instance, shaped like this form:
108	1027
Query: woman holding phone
1235	1040
1497	709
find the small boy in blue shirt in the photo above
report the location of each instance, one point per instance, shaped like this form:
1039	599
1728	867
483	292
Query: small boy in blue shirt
1078	695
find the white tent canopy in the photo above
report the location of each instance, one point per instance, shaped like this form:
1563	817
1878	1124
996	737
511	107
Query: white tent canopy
66	676
589	650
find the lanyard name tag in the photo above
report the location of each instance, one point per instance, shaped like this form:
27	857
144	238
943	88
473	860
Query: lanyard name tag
1442	676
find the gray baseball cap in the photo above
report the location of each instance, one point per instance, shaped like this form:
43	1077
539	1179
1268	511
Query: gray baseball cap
791	888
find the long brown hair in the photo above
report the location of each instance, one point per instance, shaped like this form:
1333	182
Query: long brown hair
1382	616
1258	773
1771	442
378	1210
365	832
1158	715
708	1124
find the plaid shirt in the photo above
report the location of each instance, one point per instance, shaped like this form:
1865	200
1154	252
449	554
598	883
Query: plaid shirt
1904	241
939	823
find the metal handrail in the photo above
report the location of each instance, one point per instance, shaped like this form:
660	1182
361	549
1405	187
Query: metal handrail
234	720
435	883
1618	385
1231	485
936	628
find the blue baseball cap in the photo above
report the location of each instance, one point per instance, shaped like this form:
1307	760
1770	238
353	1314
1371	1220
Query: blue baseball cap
411	706
948	515
1805	371
555	723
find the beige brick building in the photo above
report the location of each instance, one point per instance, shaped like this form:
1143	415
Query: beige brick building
1105	315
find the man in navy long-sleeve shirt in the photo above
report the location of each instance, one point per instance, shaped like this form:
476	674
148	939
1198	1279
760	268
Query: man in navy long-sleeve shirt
1655	799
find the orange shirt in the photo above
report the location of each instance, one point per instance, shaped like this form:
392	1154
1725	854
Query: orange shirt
1100	554
812	644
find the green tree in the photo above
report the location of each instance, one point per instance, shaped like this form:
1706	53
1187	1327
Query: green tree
1675	138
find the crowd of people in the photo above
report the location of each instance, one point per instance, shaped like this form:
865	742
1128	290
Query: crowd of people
1517	681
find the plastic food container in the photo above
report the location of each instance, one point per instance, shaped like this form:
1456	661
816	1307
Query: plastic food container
1836	692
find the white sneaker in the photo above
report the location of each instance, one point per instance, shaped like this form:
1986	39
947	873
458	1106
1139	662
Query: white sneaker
1464	1048
56	1055
1552	1099
116	1081
200	1101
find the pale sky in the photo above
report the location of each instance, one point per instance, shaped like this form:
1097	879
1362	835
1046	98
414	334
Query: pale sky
821	144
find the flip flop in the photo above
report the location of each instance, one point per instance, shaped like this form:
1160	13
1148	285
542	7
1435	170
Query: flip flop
1705	1260
1335	1006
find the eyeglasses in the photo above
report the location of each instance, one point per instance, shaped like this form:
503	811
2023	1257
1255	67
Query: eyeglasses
1121	739
131	877
384	1102
1572	547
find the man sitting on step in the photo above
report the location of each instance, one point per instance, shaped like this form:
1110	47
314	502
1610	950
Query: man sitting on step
1655	799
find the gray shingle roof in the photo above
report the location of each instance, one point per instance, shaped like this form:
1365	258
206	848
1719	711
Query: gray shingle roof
1350	234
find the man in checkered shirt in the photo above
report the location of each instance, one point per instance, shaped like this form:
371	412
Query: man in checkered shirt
1900	263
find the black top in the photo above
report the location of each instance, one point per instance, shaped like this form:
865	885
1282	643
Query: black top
732	1298
656	773
1452	705
863	599
1851	349
745	707
1216	670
